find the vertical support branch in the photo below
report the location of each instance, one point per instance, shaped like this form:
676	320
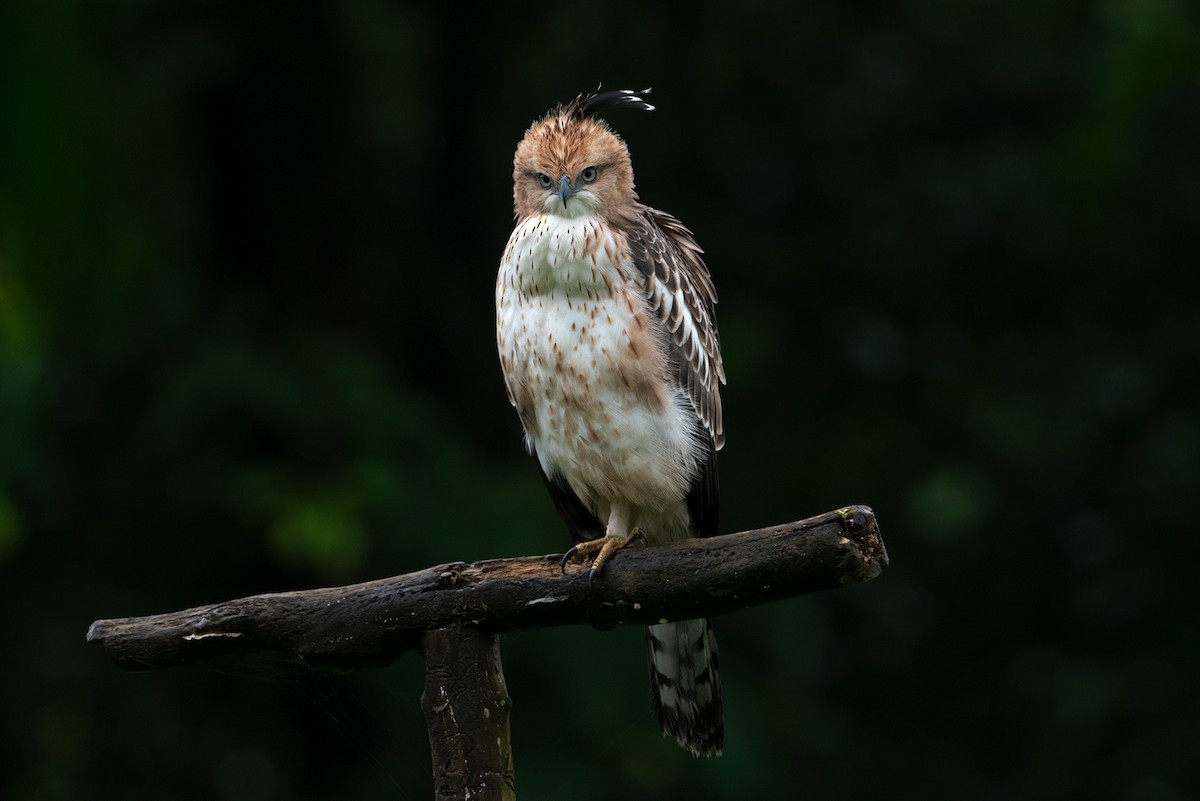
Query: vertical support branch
466	707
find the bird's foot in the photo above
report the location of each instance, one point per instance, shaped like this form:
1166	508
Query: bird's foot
604	547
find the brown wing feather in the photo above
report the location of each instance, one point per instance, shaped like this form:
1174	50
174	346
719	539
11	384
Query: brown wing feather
680	291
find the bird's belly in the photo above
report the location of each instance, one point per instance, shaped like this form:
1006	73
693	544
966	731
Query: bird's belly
598	410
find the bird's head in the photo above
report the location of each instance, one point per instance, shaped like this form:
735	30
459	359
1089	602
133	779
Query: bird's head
571	164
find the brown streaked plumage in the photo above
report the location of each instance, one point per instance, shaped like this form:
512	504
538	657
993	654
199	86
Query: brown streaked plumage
609	347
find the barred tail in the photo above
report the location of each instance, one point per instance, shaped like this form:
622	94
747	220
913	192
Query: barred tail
686	684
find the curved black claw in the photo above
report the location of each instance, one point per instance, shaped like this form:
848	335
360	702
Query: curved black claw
562	565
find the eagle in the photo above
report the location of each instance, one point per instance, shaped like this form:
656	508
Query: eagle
608	342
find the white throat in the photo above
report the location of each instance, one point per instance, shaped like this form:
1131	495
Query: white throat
550	254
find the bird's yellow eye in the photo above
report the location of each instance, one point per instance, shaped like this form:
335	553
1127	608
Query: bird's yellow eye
544	180
588	175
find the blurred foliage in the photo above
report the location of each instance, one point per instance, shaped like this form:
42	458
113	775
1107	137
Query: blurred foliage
246	344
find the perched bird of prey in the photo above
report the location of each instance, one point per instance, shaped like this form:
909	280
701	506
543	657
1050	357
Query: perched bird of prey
608	343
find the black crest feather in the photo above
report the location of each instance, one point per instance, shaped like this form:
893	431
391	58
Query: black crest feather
585	106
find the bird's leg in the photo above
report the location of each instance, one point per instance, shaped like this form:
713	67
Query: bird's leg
618	535
604	547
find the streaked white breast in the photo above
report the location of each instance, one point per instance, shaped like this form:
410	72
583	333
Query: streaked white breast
585	365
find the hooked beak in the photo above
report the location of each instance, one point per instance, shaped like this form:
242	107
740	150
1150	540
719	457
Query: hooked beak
564	190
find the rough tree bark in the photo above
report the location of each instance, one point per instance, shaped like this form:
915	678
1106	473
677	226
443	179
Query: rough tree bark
466	707
454	612
372	623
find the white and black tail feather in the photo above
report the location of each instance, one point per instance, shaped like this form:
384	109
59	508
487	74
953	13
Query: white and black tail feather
686	684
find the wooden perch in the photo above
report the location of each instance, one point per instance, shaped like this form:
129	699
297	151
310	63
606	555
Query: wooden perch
466	708
455	612
374	622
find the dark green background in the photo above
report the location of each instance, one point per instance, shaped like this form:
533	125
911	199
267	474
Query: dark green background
246	344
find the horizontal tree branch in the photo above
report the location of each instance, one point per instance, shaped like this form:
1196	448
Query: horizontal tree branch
374	622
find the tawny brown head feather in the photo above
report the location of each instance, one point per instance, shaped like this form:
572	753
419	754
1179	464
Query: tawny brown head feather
570	143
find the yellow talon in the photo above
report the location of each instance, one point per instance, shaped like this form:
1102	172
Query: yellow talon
606	546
